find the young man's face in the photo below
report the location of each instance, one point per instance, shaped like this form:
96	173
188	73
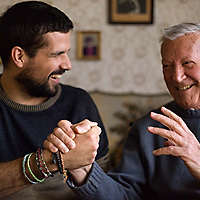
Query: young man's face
41	74
181	69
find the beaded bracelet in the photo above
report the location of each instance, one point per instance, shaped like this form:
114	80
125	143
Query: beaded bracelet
63	168
30	171
58	159
39	164
42	164
24	169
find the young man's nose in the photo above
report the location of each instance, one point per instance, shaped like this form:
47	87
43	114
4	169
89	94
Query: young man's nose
66	63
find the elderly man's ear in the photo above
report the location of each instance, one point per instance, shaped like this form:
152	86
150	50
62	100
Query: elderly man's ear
18	56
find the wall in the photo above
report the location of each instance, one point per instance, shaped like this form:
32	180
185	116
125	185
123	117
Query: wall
130	60
118	111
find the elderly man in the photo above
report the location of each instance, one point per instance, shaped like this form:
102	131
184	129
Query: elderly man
165	163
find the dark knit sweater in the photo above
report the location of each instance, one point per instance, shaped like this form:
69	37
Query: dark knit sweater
24	128
141	175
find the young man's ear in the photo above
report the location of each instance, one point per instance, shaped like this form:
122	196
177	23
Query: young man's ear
18	56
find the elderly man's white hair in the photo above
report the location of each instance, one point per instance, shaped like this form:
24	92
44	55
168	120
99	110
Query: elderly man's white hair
178	30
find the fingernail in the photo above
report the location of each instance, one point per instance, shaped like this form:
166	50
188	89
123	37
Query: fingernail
73	144
54	149
93	124
65	150
73	136
163	108
81	129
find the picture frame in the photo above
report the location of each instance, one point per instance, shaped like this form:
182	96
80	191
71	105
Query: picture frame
131	11
88	45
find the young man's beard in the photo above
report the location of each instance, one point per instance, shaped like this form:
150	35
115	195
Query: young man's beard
33	87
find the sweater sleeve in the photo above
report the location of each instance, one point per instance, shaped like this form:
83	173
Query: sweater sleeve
127	181
101	186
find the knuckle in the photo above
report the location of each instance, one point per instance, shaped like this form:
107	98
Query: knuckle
45	144
50	147
64	123
60	145
51	137
56	129
94	147
61	122
171	148
68	142
98	129
86	121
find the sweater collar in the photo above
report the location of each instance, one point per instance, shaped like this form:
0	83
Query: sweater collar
29	108
186	113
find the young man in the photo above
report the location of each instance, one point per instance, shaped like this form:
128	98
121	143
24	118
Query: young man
35	41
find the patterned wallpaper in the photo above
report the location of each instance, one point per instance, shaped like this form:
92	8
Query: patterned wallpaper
130	58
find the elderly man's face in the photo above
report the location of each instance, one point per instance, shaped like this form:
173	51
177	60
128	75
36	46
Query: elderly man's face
181	69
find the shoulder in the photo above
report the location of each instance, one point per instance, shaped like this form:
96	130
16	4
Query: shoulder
73	90
75	94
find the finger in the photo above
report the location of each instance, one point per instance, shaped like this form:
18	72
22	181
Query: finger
57	143
95	130
168	122
172	136
66	127
175	117
83	126
48	145
171	150
168	143
60	134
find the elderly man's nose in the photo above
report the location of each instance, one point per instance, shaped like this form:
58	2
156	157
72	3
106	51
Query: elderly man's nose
178	73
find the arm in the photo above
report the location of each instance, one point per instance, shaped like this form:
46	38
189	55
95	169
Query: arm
12	178
181	142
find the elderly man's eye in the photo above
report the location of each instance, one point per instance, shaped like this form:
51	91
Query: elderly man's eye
188	64
165	66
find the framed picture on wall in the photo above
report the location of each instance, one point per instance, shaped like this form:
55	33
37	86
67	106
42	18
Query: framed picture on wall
131	11
88	45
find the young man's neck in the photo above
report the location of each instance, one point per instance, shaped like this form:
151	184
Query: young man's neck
15	92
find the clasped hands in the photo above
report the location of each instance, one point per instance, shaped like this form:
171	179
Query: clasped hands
181	142
78	143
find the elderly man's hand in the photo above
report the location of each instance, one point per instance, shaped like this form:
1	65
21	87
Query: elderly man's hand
181	141
82	139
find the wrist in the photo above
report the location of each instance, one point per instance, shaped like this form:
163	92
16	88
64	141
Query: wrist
79	176
47	156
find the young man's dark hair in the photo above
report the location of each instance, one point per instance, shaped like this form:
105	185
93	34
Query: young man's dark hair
24	25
